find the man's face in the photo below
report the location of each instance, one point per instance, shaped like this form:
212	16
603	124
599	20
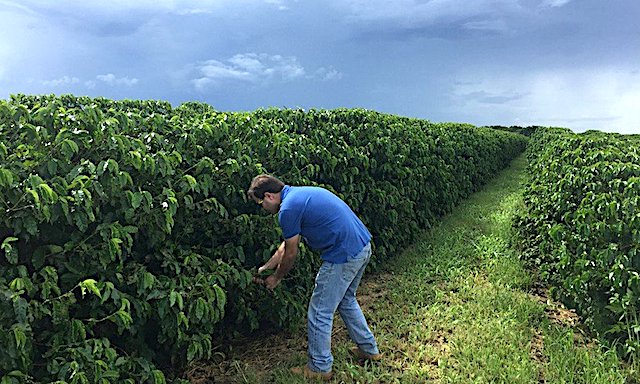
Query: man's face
270	203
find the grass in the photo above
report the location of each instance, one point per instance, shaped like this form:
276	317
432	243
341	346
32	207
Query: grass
455	307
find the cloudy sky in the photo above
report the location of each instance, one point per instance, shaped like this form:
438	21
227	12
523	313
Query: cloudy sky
569	63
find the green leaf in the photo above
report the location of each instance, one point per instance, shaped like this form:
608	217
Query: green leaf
125	318
35	196
176	155
69	148
10	252
115	250
16	374
20	309
19	336
156	294
148	280
47	193
31	225
240	253
110	374
112	166
172	298
190	181
148	198
200	308
182	319
136	159
91	285
136	200
52	166
130	229
221	299
180	302
158	377
17	284
6	178
191	351
124	178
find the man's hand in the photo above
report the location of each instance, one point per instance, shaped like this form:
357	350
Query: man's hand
271	282
282	260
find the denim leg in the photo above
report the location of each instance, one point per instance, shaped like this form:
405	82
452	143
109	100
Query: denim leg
352	315
326	295
334	283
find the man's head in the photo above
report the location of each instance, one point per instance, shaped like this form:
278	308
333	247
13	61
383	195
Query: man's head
265	190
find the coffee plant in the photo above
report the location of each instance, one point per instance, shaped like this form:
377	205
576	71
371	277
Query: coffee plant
581	227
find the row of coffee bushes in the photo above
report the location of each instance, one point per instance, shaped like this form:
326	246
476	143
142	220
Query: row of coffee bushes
581	227
128	244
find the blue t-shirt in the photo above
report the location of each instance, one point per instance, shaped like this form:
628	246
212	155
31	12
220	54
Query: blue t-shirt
326	223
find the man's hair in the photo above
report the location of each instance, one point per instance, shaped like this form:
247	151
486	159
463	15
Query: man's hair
264	183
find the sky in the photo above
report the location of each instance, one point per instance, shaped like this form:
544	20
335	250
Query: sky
563	63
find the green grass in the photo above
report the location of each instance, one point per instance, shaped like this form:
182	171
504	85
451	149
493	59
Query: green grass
456	307
574	363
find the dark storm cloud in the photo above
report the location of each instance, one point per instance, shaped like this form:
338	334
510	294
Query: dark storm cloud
508	62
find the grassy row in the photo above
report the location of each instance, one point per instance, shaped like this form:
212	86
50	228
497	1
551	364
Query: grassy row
455	307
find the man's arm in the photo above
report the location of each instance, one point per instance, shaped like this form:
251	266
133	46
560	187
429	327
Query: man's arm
286	263
274	261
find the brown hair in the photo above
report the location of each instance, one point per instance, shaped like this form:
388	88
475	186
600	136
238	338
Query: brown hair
264	183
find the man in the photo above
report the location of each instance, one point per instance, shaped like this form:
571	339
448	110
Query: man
328	225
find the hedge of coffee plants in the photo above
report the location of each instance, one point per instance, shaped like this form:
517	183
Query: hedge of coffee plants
581	227
128	242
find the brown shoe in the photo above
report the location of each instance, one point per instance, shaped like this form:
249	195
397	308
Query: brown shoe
359	354
309	374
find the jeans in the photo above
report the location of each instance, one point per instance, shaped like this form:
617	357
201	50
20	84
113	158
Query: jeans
335	288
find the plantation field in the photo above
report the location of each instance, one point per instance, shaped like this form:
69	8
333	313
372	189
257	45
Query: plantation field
128	241
128	245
